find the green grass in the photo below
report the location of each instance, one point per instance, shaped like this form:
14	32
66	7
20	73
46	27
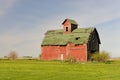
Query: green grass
55	70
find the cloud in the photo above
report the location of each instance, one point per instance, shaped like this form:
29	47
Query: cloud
5	5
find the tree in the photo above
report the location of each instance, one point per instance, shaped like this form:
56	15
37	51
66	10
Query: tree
12	55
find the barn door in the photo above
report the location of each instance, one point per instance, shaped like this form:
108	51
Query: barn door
61	57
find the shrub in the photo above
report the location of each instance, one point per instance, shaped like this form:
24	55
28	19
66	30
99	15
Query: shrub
108	62
100	56
39	56
12	55
104	56
94	56
71	60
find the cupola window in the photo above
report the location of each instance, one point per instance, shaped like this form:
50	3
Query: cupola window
66	29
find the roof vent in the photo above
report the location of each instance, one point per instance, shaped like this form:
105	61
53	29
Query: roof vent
77	38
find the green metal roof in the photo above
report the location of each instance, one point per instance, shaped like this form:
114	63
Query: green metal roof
77	36
72	21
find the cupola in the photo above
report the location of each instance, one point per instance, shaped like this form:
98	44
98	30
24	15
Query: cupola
69	25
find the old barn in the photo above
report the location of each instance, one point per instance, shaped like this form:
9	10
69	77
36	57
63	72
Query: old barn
70	41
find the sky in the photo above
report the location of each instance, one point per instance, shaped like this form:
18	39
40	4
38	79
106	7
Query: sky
24	22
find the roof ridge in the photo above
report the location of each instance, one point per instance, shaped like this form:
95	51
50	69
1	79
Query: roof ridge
71	21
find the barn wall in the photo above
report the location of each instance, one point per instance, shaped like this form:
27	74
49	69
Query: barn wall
93	44
53	52
77	51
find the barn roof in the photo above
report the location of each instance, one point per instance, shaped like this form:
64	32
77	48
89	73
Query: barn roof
71	21
77	36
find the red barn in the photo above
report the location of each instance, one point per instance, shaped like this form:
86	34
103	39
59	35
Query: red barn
70	41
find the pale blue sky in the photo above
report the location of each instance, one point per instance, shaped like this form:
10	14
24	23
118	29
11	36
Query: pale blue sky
24	22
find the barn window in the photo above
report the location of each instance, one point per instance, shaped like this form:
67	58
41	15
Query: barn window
66	28
77	38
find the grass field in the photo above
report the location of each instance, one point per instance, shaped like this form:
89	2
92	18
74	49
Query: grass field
55	70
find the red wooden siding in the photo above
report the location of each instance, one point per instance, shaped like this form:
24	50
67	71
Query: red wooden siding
78	51
54	52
